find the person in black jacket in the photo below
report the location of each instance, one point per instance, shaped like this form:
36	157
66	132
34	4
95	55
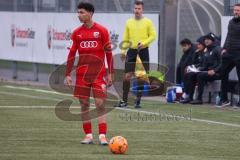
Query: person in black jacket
188	50
190	77
211	66
231	53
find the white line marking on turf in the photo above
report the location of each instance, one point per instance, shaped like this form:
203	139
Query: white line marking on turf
131	110
36	90
29	96
193	119
125	109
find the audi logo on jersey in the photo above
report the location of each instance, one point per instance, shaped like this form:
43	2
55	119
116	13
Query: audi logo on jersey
88	44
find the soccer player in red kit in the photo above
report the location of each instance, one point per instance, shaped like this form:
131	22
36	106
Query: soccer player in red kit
91	40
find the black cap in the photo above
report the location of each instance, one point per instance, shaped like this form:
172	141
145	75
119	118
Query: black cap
210	36
201	40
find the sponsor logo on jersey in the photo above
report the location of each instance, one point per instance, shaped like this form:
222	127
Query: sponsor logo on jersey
96	34
104	88
88	44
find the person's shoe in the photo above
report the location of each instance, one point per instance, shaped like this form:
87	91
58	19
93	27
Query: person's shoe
121	104
137	104
88	139
238	104
103	140
196	102
186	100
225	103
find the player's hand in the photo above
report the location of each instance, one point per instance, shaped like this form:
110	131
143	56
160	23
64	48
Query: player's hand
69	81
211	72
109	79
140	45
123	57
223	51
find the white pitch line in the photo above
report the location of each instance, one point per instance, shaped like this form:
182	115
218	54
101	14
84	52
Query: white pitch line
29	96
125	109
193	119
36	90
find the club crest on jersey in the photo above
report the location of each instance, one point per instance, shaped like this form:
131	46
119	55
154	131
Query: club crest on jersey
104	87
96	34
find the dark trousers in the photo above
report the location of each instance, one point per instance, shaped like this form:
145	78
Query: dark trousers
178	75
130	64
190	80
202	79
228	63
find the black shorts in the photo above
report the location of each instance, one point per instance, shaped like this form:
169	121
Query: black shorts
131	57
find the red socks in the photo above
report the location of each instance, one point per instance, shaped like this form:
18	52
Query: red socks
102	128
87	127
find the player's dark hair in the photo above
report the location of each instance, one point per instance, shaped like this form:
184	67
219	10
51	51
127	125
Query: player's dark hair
238	4
87	6
139	2
185	42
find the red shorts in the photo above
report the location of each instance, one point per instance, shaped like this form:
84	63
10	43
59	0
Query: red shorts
83	88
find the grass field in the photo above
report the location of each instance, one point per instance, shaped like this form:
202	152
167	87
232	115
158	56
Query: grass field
30	130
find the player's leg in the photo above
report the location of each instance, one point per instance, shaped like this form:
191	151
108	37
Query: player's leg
202	78
82	92
102	120
87	125
140	89
227	66
190	80
126	86
130	64
144	56
237	62
100	93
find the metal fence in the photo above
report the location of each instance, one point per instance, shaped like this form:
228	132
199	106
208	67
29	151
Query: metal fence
71	5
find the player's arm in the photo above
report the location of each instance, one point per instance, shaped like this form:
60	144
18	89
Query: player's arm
152	34
224	50
71	59
125	43
109	57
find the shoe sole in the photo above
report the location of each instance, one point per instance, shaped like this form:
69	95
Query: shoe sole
103	144
86	143
227	104
137	107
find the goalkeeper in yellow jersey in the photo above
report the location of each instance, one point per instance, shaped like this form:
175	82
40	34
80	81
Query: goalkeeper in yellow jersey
138	34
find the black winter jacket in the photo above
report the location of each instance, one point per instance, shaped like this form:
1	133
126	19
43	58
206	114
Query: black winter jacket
232	42
212	59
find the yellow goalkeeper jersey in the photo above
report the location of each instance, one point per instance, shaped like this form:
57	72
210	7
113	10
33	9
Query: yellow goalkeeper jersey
138	31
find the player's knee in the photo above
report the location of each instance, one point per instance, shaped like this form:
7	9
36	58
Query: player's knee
99	104
84	103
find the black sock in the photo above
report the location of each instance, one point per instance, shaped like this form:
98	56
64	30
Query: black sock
126	87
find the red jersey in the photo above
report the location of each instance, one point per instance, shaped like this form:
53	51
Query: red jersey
93	45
